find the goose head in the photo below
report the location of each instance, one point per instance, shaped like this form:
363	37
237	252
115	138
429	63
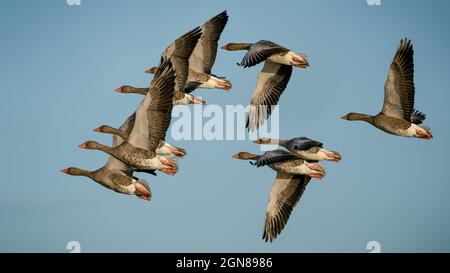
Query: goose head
244	156
90	145
76	172
72	171
104	129
358	116
263	140
124	89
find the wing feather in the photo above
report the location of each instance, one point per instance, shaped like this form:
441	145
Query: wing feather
260	51
271	83
399	89
284	196
179	52
204	55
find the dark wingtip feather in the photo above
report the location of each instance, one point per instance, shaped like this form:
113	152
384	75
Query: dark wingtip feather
418	117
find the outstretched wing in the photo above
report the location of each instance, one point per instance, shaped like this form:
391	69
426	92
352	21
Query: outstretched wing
271	83
154	113
275	156
284	195
204	55
179	52
304	143
399	88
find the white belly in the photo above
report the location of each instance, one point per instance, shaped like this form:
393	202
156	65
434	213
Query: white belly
312	156
154	163
130	189
303	169
410	132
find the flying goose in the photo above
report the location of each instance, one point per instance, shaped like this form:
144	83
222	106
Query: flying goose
116	175
203	57
267	51
164	148
286	191
152	121
304	147
272	80
398	116
284	161
179	98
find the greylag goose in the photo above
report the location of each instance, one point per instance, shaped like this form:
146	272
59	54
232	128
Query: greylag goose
285	193
398	116
272	80
152	121
304	147
164	148
203	57
116	175
179	98
284	161
267	51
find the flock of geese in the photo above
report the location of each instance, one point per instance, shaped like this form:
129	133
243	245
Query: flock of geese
186	64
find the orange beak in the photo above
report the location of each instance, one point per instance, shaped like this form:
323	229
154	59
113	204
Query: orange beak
64	171
118	90
344	117
82	145
316	175
97	129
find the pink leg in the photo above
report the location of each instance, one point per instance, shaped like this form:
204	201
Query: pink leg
168	171
423	134
316	175
176	152
169	164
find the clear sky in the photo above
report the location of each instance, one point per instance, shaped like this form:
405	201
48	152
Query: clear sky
59	65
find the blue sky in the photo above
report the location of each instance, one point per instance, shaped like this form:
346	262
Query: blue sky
60	64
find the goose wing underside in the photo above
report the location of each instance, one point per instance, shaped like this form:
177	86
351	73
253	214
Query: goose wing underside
154	113
271	83
284	196
179	52
399	88
204	55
